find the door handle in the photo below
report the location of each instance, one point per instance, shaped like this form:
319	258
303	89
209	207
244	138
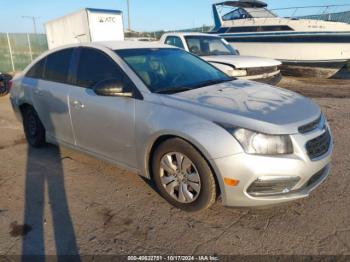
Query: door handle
78	104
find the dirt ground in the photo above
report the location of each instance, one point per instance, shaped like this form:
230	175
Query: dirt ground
60	201
318	88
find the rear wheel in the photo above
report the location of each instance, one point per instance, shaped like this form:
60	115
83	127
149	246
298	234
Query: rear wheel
183	176
33	128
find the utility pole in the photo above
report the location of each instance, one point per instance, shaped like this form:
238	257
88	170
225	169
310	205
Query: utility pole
33	18
129	23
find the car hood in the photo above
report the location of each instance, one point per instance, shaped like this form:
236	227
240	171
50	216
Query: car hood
248	104
239	61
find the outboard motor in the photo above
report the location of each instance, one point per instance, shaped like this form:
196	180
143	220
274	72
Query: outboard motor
5	84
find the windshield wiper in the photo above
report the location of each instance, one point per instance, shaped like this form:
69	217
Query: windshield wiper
172	90
212	82
191	87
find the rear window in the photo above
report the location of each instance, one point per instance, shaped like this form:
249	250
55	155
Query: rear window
57	66
174	41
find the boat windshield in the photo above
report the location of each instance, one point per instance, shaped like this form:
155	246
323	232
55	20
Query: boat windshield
260	13
244	13
209	46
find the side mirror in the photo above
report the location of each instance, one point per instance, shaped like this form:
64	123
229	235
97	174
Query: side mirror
237	51
111	87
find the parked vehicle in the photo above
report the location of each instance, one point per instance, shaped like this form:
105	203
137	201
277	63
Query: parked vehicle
306	47
219	53
5	84
174	118
86	25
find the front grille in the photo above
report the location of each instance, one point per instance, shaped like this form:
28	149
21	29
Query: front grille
261	70
319	145
310	126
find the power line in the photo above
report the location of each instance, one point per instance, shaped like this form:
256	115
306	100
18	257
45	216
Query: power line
33	18
129	23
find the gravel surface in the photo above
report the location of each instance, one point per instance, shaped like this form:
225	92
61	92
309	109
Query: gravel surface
60	201
317	88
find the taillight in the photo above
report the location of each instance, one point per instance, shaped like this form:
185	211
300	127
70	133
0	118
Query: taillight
9	84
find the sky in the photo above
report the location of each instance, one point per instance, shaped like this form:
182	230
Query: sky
146	15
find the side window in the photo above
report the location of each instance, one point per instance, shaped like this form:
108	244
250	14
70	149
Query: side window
95	66
222	30
174	41
178	42
169	40
57	66
37	70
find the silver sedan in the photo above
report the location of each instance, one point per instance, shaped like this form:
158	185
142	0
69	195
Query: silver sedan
173	118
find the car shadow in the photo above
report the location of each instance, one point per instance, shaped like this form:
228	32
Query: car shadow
45	188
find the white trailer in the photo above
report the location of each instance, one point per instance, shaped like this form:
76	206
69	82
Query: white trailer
86	25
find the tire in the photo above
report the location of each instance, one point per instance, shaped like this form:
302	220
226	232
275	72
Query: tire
3	91
194	176
4	84
33	128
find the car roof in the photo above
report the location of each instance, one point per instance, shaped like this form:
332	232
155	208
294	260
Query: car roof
117	45
114	45
189	34
111	45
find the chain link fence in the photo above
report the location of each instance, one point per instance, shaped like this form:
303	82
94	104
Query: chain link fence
17	50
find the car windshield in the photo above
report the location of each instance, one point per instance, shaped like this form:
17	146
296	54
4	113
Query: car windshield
209	46
171	70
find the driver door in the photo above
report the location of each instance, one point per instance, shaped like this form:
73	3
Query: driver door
103	125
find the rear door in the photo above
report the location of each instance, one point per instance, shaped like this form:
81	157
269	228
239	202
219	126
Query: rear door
102	125
50	94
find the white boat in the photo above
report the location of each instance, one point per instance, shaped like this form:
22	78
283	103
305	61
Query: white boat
304	46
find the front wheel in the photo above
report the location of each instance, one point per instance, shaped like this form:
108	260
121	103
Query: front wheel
182	176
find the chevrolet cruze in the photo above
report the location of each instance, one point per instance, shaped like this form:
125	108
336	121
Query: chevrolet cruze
169	116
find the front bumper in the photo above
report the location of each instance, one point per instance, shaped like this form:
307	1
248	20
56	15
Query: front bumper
248	168
16	109
271	79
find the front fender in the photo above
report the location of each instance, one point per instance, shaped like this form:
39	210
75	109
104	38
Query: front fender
156	120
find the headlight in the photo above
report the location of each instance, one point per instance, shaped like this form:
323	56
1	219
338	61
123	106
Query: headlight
262	144
238	72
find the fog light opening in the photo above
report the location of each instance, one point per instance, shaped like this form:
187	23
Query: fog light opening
265	186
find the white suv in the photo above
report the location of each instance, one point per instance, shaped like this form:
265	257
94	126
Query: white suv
222	55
